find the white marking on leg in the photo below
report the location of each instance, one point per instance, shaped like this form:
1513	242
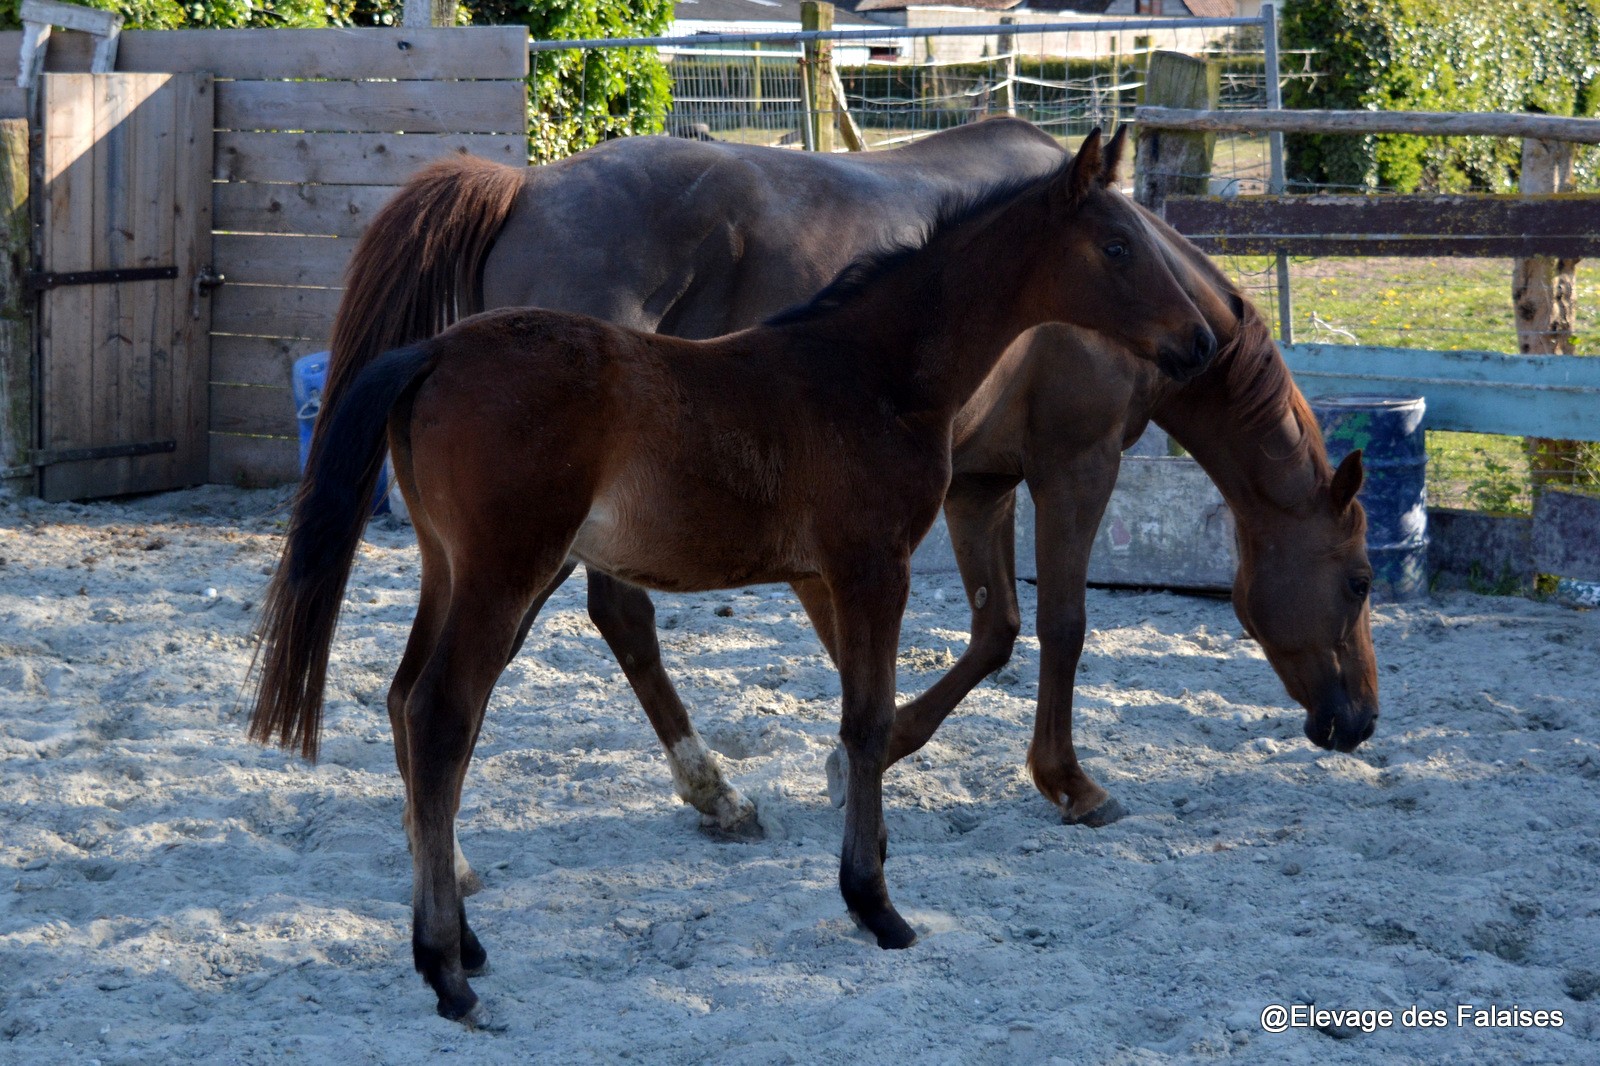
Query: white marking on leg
697	777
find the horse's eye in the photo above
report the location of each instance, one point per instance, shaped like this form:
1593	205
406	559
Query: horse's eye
1360	586
1117	249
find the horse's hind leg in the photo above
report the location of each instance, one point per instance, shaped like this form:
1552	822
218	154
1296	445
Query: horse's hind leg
431	603
424	633
538	605
443	713
627	620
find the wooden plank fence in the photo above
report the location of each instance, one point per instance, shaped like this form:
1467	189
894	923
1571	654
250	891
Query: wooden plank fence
314	133
1486	226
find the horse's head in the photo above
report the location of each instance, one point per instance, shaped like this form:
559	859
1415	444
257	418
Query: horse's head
1114	274
1301	592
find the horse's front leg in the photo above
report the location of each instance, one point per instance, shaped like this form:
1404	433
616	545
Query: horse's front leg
1069	500
627	620
980	513
868	603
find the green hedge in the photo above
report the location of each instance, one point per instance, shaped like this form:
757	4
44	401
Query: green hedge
578	99
215	14
1438	55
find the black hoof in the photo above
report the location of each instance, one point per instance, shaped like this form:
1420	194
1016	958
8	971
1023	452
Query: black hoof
1109	811
459	1008
892	931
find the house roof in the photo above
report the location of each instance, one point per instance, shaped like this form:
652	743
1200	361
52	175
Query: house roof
784	11
1082	7
1172	8
1212	9
897	5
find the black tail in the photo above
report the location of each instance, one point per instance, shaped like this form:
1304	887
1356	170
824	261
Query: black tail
330	512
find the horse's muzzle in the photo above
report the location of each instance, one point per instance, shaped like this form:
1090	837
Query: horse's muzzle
1185	365
1343	727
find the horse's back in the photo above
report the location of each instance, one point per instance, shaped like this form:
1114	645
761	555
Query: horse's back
701	238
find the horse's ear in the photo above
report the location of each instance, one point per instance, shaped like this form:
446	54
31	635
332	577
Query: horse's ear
1111	164
1084	170
1346	481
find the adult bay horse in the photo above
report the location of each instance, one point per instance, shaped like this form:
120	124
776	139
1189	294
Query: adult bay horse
814	449
695	239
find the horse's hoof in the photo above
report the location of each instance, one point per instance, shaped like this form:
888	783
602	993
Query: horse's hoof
838	769
891	931
479	1018
469	883
458	1008
1099	817
742	824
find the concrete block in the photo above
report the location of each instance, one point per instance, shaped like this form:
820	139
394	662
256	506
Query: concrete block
1472	546
1566	534
1166	526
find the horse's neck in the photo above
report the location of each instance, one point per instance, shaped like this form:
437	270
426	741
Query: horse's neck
931	330
1266	474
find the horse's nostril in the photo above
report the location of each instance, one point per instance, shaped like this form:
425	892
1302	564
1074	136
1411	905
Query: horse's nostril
1205	345
1372	727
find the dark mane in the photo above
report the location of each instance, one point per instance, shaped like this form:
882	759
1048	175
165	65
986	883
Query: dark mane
866	269
1261	391
1260	388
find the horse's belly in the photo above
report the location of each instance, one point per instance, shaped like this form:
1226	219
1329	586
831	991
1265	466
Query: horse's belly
668	550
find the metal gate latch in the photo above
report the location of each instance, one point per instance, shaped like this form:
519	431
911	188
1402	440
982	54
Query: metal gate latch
205	283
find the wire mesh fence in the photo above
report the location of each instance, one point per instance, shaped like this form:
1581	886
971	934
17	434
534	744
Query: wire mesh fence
890	86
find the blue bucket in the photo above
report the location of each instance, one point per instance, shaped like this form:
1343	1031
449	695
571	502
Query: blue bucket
1394	454
310	374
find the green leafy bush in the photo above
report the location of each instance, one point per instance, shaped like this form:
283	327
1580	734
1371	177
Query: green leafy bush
1438	55
580	98
197	14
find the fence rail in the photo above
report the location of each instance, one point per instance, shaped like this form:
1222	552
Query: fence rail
1420	123
1076	26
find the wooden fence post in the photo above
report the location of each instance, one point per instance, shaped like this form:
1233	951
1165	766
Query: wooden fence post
428	13
16	313
1543	292
1169	162
1542	287
1008	49
815	15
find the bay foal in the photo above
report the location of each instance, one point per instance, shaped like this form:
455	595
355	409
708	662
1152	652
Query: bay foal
813	450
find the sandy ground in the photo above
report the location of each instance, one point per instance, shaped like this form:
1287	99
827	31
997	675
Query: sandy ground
173	893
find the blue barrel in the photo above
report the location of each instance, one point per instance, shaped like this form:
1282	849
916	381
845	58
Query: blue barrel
1394	454
309	375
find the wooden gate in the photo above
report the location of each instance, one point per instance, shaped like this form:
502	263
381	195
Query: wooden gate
124	319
